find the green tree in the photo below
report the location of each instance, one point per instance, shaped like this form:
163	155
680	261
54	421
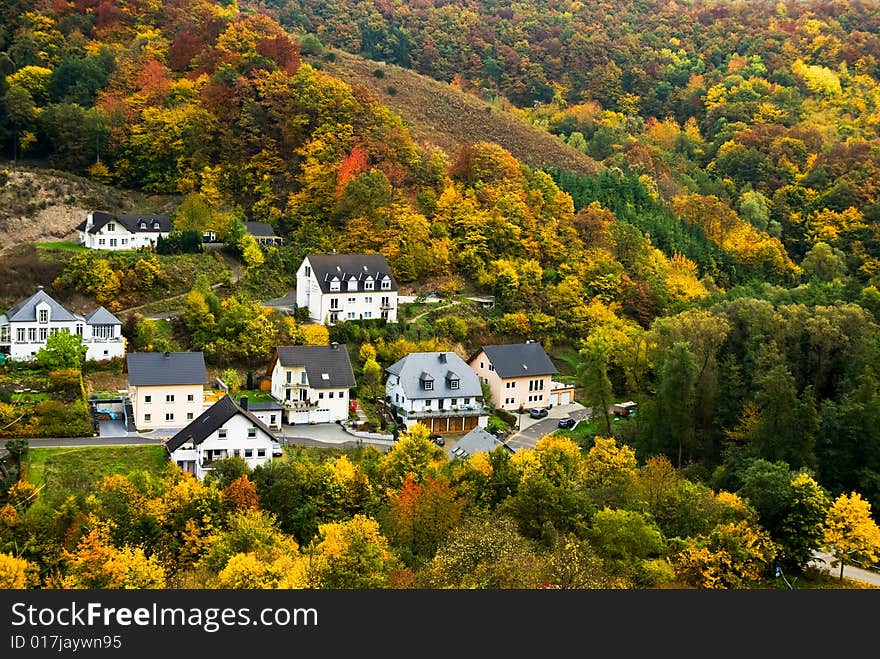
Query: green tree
593	376
62	350
676	394
232	380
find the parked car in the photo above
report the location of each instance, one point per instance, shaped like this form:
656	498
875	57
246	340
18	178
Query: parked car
277	452
538	412
567	423
437	439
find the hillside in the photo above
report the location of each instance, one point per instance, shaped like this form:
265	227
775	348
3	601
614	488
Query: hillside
437	113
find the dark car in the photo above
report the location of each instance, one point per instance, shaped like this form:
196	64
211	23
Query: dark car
567	423
437	439
538	412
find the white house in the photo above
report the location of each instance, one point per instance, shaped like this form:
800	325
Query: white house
25	327
166	389
437	389
520	375
263	233
312	382
102	230
224	430
337	287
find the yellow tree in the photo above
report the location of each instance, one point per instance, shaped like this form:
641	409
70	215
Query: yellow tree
352	554
851	534
16	573
412	455
315	335
96	564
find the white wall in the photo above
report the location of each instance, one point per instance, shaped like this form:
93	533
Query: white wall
328	410
183	409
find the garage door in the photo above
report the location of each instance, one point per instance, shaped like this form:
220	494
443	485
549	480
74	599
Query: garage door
322	416
565	398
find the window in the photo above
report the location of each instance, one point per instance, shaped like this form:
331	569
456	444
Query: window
307	271
428	402
148	399
491	368
368	300
44	333
453	384
169	416
236	452
352	300
303	378
32	334
19	335
467	401
330	394
44	315
252	433
189	416
190	398
342	394
386	284
334	303
147	418
320	395
368	314
221	433
111	227
124	241
156	226
368	284
101	241
352	284
102	331
79	329
169	398
481	364
334	284
249	453
386	302
289	377
429	385
143	225
261	453
454	401
113	242
350	315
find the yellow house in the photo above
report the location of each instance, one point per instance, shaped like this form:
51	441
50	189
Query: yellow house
166	389
518	375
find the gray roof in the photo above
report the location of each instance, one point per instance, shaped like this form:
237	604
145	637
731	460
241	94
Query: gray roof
413	368
475	441
165	368
26	311
101	316
320	361
264	406
262	229
130	222
200	428
344	266
516	360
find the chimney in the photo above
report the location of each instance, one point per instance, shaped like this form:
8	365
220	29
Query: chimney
167	355
442	357
39	287
334	346
243	402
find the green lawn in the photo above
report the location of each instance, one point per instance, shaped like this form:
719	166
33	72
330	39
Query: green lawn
76	470
65	246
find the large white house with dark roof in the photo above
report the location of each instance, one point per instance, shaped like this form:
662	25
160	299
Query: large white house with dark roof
312	382
25	328
166	389
102	230
224	430
438	390
336	287
520	375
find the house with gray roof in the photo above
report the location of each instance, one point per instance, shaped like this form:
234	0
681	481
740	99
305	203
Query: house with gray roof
312	382
263	233
25	328
438	390
337	287
166	389
223	430
520	375
478	440
103	230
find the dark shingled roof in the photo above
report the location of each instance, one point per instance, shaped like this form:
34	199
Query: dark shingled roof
345	266
130	222
208	421
165	368
261	229
518	360
320	361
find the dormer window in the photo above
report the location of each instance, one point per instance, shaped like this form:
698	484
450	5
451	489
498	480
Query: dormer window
369	284
352	284
143	225
429	385
386	283
453	384
156	226
44	315
334	284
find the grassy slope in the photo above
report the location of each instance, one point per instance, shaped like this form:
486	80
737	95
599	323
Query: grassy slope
79	469
438	114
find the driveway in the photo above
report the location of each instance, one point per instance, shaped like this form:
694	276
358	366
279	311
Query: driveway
534	429
325	434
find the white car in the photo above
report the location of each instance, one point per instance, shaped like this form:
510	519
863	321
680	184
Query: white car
277	451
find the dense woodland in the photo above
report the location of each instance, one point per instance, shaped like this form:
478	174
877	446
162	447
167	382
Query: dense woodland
722	268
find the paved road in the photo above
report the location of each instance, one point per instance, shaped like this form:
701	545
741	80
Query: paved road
824	560
535	429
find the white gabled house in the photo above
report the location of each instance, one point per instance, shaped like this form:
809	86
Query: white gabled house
224	430
312	383
438	390
166	389
102	230
25	328
337	287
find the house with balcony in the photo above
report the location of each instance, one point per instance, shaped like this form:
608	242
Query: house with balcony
102	230
25	327
166	389
337	287
520	375
263	233
224	430
438	390
312	383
